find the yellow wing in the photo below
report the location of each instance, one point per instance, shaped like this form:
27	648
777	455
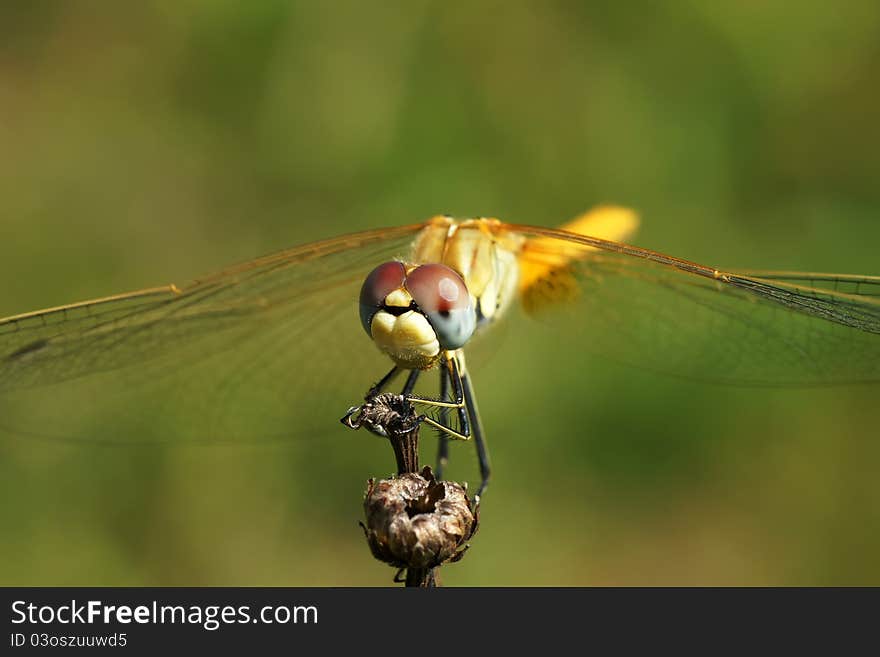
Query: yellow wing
542	279
675	316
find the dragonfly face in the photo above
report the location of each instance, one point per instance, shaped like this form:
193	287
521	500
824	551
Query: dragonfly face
413	312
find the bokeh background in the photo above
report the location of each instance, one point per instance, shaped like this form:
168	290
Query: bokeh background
151	142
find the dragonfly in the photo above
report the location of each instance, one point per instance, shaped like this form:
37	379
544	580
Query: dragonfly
263	349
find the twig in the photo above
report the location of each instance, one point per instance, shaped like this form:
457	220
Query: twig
414	522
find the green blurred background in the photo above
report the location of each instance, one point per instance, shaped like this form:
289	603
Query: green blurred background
152	142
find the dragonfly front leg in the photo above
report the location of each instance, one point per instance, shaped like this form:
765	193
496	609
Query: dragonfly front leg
384	381
410	384
411	380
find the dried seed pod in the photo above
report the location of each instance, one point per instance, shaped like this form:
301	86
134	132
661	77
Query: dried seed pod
415	521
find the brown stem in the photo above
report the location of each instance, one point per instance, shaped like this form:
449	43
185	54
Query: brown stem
406	449
424	578
395	418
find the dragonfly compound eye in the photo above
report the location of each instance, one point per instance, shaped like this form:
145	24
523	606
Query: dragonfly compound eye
380	282
442	296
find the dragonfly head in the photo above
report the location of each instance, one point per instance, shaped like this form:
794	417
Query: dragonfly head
414	313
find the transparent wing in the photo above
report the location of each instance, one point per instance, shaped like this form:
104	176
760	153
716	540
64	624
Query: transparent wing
268	349
674	316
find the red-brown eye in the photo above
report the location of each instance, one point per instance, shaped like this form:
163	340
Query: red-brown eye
380	282
437	288
443	298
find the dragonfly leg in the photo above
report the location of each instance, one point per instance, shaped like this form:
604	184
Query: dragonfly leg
479	439
468	416
410	382
384	381
450	372
459	404
460	401
408	387
443	447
